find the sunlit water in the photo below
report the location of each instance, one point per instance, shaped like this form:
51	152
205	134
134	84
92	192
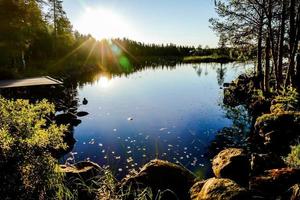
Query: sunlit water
167	113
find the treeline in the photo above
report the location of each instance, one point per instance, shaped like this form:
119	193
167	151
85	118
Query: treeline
272	27
33	30
38	33
36	30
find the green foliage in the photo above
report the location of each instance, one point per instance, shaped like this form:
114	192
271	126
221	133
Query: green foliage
258	94
293	159
27	137
287	100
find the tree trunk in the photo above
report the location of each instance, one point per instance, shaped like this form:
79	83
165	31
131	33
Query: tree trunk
292	35
259	71
23	59
296	49
271	35
279	77
297	81
267	66
55	28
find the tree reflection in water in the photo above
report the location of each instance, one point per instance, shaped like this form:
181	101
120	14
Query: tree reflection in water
234	136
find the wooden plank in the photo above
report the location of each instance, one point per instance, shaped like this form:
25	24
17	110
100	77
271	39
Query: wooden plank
45	80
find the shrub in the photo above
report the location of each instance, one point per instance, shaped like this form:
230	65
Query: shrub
287	100
27	137
293	159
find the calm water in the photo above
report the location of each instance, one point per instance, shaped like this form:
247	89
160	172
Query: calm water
167	113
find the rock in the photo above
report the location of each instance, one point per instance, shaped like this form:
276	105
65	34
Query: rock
67	118
83	176
161	176
84	170
85	101
232	163
226	85
294	192
196	188
73	103
239	91
219	188
75	122
278	130
72	110
262	162
82	114
275	182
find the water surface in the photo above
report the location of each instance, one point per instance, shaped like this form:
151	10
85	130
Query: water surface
170	113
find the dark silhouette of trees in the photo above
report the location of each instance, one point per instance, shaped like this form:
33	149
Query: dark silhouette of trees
271	27
37	33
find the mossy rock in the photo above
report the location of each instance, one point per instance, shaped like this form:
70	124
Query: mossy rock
278	130
275	182
232	163
161	176
220	188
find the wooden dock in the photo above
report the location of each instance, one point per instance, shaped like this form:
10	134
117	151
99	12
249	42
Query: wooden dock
37	81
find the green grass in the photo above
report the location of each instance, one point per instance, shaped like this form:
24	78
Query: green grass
206	59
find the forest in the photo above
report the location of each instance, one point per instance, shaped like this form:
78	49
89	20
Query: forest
272	27
39	35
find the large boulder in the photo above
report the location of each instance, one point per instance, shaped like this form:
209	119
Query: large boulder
219	188
278	130
275	182
158	175
232	163
196	189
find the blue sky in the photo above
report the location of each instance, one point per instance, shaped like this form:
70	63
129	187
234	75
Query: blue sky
183	22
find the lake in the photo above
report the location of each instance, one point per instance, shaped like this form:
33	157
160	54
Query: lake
170	113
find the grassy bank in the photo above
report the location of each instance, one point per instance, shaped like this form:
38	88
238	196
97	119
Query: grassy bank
207	59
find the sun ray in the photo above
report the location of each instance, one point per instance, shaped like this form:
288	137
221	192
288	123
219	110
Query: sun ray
125	50
71	53
90	53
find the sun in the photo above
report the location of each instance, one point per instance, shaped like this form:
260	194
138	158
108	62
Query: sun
103	23
104	82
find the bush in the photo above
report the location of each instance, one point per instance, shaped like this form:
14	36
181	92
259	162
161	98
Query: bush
27	137
287	100
293	159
